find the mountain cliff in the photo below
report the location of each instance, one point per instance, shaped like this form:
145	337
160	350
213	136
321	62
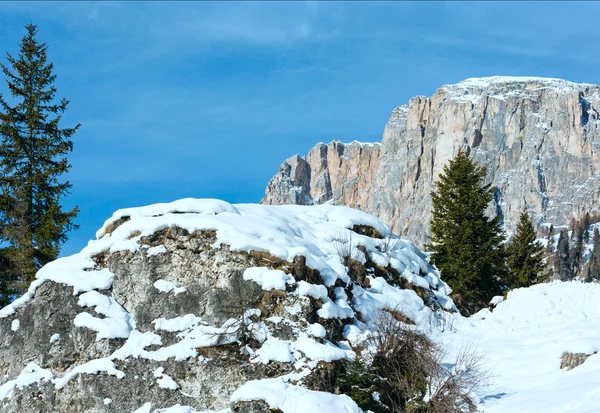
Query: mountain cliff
539	139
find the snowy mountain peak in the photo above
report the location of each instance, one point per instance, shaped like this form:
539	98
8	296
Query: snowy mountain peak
501	87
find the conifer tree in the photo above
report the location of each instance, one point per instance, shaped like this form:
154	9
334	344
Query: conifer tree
525	256
576	253
562	262
593	271
467	247
33	149
587	221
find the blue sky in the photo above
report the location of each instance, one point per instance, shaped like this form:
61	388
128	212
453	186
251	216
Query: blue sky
206	99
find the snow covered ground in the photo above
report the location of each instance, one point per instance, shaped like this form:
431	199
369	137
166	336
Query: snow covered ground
522	342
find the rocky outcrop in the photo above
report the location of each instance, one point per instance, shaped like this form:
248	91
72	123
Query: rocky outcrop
212	306
539	139
571	360
340	172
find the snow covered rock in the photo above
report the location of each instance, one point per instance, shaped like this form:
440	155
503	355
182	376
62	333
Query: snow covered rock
193	306
538	137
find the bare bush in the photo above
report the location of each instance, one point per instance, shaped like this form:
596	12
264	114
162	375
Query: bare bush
390	244
412	376
235	302
451	387
342	243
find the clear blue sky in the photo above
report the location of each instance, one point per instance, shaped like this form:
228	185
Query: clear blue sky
198	99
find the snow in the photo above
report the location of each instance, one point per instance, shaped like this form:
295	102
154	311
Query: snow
303	349
160	249
164	381
474	89
144	409
31	374
315	291
117	322
355	142
54	338
165	286
91	367
274	349
290	398
176	324
15	325
497	300
321	352
196	337
269	279
522	342
317	330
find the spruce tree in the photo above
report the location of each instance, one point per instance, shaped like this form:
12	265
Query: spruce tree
594	263
587	221
562	262
576	253
33	149
467	247
525	256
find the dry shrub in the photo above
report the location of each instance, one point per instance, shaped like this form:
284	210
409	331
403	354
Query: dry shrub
411	374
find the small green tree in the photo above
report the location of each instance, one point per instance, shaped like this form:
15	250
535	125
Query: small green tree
587	221
593	270
562	261
576	252
467	246
525	256
33	151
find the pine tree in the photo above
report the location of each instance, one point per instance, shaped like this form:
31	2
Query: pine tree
467	247
576	253
33	160
587	221
594	264
562	262
525	256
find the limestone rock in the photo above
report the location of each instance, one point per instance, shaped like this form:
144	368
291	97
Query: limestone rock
539	139
571	360
184	303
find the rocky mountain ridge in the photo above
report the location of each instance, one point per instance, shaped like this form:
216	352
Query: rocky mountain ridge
538	137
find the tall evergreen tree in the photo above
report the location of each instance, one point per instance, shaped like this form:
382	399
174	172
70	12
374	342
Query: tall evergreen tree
562	262
576	253
587	221
467	247
593	271
525	256
33	149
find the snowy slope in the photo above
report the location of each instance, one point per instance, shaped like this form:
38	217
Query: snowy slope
522	342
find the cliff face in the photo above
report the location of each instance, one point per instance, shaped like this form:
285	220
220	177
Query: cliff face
539	139
337	171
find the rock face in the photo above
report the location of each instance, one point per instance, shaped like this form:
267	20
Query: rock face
571	360
539	139
337	171
212	306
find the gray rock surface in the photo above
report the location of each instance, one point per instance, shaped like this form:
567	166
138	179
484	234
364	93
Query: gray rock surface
104	349
539	139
